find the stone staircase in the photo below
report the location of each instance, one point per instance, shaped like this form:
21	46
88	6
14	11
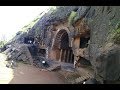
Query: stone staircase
82	78
79	76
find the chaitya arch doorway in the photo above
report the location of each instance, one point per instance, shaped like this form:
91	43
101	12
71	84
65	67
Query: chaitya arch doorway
61	47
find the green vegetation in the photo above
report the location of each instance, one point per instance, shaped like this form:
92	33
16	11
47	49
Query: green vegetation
116	36
2	43
72	17
118	25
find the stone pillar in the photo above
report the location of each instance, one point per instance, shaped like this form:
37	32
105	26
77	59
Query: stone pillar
47	53
72	61
71	43
68	56
76	58
75	61
60	55
64	55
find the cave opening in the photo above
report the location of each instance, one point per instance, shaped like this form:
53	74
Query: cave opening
64	42
84	62
28	40
42	52
64	53
33	50
84	42
67	53
83	47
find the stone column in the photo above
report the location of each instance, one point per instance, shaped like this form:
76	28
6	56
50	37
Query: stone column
68	56
64	55
76	58
71	56
47	53
60	55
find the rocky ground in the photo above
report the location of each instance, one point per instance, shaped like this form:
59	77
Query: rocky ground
27	74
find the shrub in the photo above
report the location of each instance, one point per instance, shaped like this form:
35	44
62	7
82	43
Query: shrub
2	43
116	36
71	17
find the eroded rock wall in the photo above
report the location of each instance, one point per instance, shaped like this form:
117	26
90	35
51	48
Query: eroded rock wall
99	21
102	20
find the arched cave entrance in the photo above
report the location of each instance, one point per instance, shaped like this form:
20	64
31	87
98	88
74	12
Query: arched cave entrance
63	52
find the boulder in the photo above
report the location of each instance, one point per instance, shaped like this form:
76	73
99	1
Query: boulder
108	63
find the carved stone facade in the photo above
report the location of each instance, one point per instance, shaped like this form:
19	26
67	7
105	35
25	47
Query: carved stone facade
81	40
69	42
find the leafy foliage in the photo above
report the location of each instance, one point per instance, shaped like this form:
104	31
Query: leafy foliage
118	25
71	17
2	43
116	36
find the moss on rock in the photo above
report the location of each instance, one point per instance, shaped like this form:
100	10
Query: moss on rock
71	17
116	36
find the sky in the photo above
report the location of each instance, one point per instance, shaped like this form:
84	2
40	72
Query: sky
14	18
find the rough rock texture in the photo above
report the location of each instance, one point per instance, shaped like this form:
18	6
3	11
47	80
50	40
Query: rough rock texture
55	17
108	62
101	20
19	52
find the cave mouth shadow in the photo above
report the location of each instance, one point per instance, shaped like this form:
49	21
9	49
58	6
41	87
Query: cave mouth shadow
82	62
84	42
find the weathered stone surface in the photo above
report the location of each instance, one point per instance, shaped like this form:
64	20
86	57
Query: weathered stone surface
11	64
100	20
101	24
68	68
54	67
38	62
7	50
108	63
91	81
56	17
22	57
19	52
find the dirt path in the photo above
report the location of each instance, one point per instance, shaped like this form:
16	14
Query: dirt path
27	74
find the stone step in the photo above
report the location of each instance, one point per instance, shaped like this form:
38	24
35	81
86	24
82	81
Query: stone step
54	67
82	78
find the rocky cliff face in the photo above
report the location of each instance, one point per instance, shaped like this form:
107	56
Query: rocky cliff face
104	56
102	21
103	52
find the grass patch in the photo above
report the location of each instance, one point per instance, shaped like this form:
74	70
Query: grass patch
116	36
